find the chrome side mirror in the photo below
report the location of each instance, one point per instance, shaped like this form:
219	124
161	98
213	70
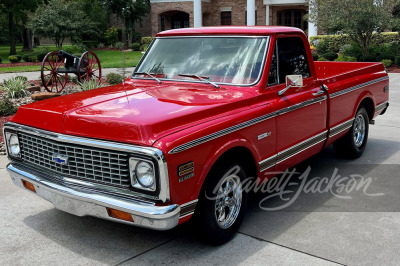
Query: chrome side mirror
292	81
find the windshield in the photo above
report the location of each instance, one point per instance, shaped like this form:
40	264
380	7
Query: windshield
229	60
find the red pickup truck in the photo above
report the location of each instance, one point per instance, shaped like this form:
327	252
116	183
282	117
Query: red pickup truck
205	109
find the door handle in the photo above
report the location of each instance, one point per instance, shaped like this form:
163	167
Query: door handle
318	93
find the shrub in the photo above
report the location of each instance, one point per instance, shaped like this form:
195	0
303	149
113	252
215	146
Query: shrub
146	40
100	45
1	60
113	78
90	85
25	79
73	49
323	47
26	58
144	47
41	57
351	50
119	45
13	59
19	57
322	59
368	58
387	62
15	87
7	107
111	35
33	58
397	61
135	46
337	41
315	57
330	56
345	58
85	45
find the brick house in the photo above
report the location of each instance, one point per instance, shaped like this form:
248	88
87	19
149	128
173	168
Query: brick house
172	14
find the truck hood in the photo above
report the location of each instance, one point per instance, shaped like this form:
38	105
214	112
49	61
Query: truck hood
131	112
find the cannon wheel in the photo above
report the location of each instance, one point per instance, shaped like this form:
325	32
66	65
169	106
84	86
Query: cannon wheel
50	77
89	67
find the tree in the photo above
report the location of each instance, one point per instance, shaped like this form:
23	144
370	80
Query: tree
58	20
15	10
360	19
130	11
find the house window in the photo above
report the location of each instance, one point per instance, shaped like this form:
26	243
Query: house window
245	17
162	22
180	20
226	18
292	18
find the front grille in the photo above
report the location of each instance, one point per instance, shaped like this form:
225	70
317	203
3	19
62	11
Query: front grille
87	163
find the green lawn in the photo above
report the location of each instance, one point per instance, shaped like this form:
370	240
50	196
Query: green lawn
108	59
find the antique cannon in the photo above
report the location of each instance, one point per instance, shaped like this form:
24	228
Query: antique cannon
57	66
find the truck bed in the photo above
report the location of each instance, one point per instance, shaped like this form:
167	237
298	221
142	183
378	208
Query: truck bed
329	72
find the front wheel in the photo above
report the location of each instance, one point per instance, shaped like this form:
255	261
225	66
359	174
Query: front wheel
222	204
352	145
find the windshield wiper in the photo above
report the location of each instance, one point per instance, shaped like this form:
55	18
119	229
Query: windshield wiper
205	79
148	74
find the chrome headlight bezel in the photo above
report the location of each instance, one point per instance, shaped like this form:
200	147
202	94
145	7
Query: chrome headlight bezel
135	182
9	137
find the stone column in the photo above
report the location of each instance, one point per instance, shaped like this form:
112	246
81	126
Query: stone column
267	15
312	28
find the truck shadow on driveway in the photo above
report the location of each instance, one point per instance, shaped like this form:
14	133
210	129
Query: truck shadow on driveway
111	243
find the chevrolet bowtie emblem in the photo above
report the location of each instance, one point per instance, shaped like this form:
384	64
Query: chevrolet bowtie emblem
60	159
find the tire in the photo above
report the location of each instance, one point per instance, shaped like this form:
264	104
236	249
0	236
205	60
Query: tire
213	206
352	145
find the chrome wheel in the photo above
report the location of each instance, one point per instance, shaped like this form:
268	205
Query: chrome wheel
359	130
229	201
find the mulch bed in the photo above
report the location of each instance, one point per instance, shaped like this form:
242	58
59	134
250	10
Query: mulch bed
21	64
393	69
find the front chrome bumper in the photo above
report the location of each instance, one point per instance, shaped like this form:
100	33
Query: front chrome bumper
82	201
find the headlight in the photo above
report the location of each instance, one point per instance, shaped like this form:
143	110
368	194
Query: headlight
143	174
13	144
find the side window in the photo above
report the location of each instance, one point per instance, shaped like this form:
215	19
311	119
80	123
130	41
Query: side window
292	58
273	71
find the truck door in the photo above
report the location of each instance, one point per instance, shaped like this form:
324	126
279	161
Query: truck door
301	112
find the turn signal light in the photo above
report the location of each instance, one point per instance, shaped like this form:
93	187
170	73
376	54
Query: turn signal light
119	215
28	185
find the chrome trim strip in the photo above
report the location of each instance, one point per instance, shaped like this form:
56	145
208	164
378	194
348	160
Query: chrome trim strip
147	151
243	125
340	128
302	146
267	163
85	202
188	208
381	106
292	151
342	92
202	82
221	133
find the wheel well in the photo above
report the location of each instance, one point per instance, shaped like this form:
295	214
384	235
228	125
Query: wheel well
242	155
369	106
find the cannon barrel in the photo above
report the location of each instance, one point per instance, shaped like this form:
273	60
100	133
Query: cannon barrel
61	53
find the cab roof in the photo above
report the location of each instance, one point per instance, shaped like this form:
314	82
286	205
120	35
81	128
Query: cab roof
230	30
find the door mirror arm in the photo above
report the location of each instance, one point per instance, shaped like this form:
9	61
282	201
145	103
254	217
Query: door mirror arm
292	81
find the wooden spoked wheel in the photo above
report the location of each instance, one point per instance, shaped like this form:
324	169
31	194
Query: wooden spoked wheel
51	79
89	67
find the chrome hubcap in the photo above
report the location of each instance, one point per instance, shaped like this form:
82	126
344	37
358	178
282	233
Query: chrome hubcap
229	201
359	130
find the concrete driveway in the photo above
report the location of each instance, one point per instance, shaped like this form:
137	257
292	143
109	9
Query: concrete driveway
320	229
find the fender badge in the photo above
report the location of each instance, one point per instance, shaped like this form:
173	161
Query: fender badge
186	177
60	159
265	135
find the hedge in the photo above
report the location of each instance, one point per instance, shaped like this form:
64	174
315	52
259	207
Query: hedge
146	40
337	41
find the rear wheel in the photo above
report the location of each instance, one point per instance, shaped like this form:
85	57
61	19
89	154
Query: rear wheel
222	204
353	144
